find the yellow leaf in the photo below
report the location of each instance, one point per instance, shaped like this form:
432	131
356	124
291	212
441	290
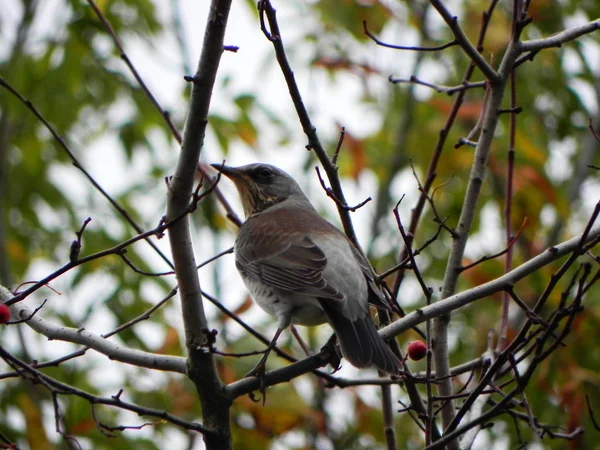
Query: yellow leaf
36	435
16	251
102	4
528	149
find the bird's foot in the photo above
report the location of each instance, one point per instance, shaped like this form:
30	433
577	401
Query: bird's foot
256	399
335	360
259	371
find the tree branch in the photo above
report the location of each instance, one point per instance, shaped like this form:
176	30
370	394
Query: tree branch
476	177
417	211
202	369
81	336
464	298
464	42
57	387
556	40
266	8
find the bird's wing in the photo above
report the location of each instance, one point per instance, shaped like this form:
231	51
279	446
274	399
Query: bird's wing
288	261
376	295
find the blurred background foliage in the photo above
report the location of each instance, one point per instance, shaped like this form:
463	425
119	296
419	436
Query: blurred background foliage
59	56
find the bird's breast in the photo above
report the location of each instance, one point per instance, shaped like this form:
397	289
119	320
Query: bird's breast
287	307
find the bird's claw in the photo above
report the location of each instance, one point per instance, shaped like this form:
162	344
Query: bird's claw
335	360
258	371
256	399
336	363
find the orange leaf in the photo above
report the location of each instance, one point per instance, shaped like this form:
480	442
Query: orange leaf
183	400
245	306
334	64
527	176
468	111
357	160
84	426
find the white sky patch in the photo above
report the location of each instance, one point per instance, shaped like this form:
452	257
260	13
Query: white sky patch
490	236
558	166
548	215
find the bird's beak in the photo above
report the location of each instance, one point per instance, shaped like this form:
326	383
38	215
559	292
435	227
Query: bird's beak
243	183
230	172
239	177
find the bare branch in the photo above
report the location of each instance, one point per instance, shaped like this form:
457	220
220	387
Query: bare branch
437	152
464	42
489	124
337	201
558	39
108	27
81	336
437	87
57	387
591	413
427	291
338	147
402	47
449	304
201	366
266	9
116	250
63	144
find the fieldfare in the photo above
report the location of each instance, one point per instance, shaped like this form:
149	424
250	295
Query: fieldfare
301	269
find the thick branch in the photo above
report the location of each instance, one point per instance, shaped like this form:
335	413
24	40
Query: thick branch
57	387
201	364
461	299
417	211
81	336
476	177
556	40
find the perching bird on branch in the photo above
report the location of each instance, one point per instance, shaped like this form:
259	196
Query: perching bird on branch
301	269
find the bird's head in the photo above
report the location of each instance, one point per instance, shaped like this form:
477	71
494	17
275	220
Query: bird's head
261	186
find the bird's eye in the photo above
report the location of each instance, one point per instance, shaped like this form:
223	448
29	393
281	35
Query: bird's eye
264	173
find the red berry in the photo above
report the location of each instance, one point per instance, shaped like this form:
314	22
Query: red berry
4	313
417	350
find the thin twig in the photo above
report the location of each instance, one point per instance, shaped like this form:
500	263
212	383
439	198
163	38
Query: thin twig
402	47
500	253
58	387
79	166
464	42
408	243
337	201
108	27
438	87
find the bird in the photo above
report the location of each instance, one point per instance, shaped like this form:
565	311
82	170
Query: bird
301	269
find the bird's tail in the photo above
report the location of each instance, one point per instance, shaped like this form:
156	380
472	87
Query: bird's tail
360	342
